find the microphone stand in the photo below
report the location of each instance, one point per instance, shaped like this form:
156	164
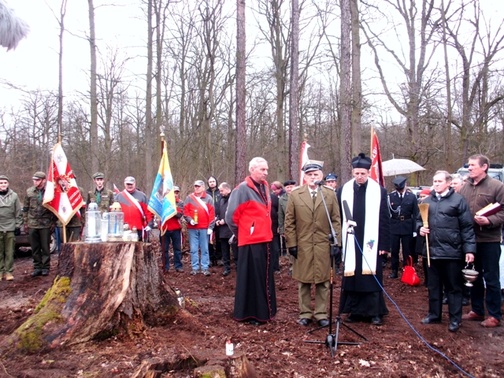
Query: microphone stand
331	340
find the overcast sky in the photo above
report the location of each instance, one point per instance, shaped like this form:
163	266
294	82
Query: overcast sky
34	63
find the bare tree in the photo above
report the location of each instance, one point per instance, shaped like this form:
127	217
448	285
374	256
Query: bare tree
477	100
241	129
419	26
346	89
294	142
93	97
60	66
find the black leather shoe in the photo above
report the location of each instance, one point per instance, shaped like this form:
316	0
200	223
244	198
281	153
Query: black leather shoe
351	319
226	272
393	274
304	321
453	326
430	319
44	272
254	322
376	320
36	273
323	322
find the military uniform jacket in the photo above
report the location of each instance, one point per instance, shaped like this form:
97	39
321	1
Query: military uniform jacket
10	212
307	227
35	215
104	199
403	213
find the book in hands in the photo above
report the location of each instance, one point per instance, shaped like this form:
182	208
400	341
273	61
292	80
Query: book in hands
489	209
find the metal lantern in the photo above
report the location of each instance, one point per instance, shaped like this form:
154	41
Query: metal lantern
93	223
115	222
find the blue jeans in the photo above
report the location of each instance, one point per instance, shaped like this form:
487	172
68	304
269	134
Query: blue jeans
198	239
486	262
176	239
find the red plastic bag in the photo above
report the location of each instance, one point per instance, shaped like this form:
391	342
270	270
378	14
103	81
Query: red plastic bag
410	276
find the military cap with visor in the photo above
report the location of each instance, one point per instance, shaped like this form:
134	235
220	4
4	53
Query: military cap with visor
399	182
39	175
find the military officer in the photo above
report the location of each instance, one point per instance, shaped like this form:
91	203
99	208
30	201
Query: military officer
403	212
40	222
103	197
307	231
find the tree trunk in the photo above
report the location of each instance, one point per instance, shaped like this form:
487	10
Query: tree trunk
93	134
294	96
241	128
101	289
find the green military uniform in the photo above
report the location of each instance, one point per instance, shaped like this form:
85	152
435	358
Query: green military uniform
103	198
40	222
10	221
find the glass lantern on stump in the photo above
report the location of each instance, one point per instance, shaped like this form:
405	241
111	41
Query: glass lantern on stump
115	222
93	223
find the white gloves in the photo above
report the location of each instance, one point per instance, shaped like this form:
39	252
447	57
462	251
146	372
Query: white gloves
209	231
147	229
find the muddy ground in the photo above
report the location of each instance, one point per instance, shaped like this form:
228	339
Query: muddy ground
401	347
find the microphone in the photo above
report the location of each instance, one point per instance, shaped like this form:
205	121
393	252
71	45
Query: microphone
348	214
320	182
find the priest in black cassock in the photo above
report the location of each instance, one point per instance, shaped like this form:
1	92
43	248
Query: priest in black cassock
362	295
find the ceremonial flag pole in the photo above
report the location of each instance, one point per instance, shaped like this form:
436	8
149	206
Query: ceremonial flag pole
162	199
303	159
376	160
62	195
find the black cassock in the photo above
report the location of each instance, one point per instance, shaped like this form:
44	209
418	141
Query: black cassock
362	295
255	297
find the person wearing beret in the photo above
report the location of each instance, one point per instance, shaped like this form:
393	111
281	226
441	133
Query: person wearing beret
362	296
308	235
10	224
403	213
103	197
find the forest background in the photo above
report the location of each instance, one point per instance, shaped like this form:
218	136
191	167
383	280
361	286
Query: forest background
427	75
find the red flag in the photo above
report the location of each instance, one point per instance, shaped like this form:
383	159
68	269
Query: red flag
116	189
62	195
376	160
303	159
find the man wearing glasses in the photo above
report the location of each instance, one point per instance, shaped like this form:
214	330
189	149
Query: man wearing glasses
40	222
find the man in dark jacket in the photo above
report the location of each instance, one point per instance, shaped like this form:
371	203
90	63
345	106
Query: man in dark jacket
248	217
403	213
479	191
451	241
224	232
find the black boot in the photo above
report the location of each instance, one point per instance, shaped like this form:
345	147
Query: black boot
393	274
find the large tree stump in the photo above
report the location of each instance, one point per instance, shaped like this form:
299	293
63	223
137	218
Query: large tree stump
101	289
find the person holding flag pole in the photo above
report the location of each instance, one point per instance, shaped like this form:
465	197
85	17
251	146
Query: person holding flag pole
62	195
162	200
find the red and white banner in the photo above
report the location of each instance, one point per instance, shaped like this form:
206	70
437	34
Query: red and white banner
376	160
62	195
303	159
